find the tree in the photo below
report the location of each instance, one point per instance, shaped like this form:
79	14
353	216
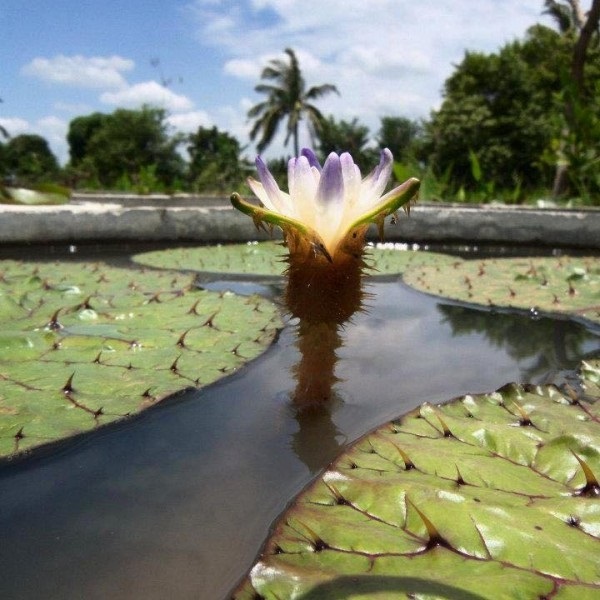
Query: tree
568	15
287	98
81	131
28	158
578	151
347	136
215	164
127	145
399	134
500	110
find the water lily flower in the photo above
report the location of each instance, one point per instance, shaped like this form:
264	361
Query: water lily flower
330	207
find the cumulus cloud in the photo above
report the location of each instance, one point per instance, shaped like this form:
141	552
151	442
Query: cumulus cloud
80	71
243	68
148	92
188	122
15	125
387	57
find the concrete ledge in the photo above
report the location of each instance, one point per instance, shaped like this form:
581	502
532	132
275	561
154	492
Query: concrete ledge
213	220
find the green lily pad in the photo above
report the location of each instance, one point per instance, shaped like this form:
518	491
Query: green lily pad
268	258
484	497
85	344
566	285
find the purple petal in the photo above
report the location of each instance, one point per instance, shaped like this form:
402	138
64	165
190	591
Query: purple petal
267	179
313	161
384	168
377	179
291	171
331	185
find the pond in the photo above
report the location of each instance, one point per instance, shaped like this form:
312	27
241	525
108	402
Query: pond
177	502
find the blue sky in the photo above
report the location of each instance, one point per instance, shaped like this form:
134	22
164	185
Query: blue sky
65	58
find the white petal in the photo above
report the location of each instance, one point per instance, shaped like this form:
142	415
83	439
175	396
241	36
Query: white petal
279	200
303	190
351	177
260	192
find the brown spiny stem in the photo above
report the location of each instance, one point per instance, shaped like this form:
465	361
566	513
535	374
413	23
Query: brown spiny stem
323	292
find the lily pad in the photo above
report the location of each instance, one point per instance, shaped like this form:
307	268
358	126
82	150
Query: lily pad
567	285
490	496
268	258
85	344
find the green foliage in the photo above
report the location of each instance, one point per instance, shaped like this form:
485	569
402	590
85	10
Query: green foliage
82	345
500	108
286	98
81	131
566	14
433	186
577	148
490	496
347	136
27	159
131	143
402	136
215	164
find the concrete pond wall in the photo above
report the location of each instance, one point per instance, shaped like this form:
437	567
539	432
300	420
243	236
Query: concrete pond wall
110	217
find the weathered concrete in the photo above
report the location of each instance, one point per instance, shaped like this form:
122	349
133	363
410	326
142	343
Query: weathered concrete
158	219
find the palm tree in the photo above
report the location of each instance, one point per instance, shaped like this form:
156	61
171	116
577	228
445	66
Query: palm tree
3	131
287	97
568	15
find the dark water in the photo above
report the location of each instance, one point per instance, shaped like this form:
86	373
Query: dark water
176	503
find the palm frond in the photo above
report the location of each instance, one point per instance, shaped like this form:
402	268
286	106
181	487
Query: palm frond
565	15
318	91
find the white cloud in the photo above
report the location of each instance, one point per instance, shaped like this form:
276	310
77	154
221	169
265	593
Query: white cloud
81	71
15	125
55	131
188	122
387	57
148	92
244	68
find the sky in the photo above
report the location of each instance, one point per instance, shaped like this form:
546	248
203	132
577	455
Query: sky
200	59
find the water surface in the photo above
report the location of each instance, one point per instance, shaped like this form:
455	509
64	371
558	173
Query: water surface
177	502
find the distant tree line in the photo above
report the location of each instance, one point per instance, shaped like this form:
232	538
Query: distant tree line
520	123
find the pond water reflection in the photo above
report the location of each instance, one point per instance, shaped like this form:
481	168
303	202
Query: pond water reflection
176	502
